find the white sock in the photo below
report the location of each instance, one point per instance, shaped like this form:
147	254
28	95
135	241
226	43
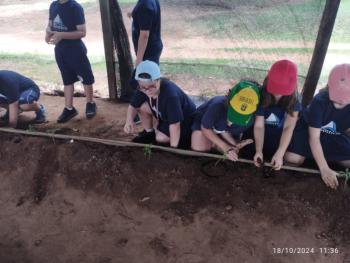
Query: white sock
149	130
68	108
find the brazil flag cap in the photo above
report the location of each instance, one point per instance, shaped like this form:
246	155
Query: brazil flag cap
243	101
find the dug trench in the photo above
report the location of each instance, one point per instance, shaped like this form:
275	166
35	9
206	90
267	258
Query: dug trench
66	201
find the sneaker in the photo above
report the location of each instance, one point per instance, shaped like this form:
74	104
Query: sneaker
137	120
40	115
5	117
66	115
90	111
145	137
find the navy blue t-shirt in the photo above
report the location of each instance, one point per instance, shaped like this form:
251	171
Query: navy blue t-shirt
322	114
213	115
13	84
275	116
65	18
173	104
147	17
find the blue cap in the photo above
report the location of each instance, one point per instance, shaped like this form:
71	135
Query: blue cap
147	67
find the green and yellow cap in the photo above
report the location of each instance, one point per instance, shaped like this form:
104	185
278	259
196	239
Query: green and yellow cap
243	101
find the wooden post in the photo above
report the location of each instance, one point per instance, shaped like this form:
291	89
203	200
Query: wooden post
109	48
122	46
321	46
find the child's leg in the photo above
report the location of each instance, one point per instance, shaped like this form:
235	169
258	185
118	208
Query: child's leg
146	116
199	142
162	138
89	93
30	107
68	95
294	159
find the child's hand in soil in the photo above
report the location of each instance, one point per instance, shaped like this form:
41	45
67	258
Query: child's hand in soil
258	159
329	177
232	154
129	127
277	161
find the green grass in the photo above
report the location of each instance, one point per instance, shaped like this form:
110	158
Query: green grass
41	68
278	50
297	21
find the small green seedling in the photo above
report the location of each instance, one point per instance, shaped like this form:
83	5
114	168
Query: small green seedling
147	151
31	128
222	159
346	175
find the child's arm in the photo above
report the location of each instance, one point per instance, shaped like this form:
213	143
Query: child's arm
141	46
228	138
175	133
48	31
288	128
13	114
259	133
221	144
130	116
78	34
328	175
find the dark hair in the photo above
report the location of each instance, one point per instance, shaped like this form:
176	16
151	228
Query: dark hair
287	103
144	76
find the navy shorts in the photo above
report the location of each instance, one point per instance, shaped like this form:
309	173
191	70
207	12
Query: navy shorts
29	96
74	65
335	147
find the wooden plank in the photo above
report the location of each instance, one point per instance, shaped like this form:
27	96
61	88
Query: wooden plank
320	50
109	48
119	143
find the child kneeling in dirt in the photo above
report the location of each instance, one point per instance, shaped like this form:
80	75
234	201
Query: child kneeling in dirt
277	114
220	122
162	102
65	30
325	124
19	93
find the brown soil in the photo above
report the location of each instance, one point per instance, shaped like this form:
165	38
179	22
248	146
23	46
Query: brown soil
64	201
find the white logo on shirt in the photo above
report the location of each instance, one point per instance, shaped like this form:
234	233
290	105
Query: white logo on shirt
330	128
58	24
273	120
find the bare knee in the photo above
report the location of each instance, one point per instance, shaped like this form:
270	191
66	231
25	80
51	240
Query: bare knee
162	138
199	143
293	158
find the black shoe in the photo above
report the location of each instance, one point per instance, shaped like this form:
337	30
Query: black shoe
66	115
90	111
137	120
5	117
145	137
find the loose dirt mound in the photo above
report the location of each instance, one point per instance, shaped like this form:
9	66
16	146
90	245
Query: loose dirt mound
71	202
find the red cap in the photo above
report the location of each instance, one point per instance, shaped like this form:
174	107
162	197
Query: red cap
282	78
339	84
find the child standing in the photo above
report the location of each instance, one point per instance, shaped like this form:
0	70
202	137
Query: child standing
19	93
325	124
65	30
277	114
